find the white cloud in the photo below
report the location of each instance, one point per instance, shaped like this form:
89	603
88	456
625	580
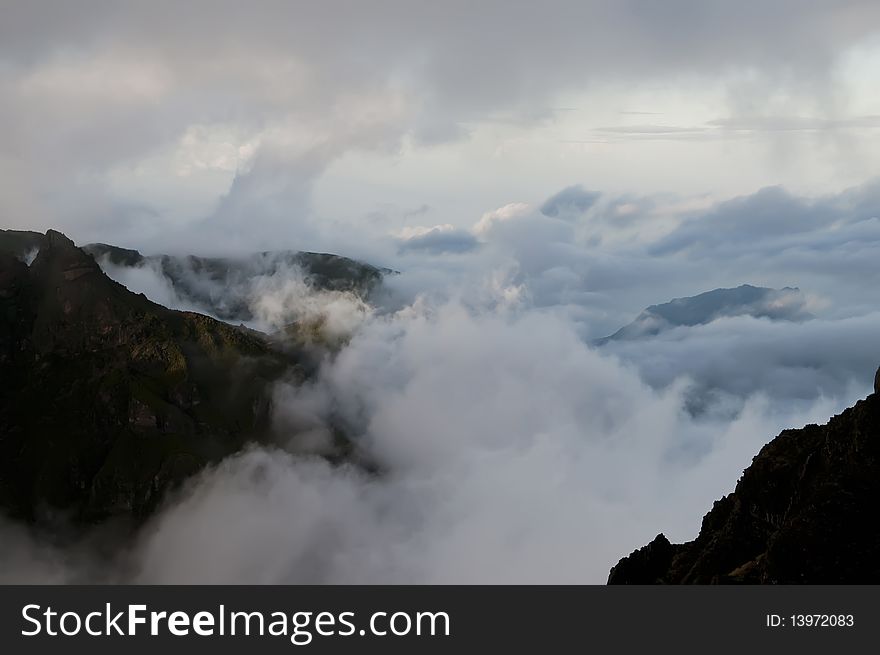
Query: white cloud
508	212
509	451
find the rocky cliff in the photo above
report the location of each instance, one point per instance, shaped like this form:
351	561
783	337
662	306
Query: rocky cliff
805	511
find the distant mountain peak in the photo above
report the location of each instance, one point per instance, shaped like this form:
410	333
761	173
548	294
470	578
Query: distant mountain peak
786	304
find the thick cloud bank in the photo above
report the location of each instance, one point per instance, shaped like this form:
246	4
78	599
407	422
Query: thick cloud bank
509	450
504	449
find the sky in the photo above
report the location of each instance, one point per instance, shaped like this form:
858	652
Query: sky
538	174
151	123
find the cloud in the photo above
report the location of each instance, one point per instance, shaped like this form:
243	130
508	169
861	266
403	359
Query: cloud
483	475
795	123
439	239
508	212
638	251
266	291
773	217
501	446
737	357
574	200
487	477
228	119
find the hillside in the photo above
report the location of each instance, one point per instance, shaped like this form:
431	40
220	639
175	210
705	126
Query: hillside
108	398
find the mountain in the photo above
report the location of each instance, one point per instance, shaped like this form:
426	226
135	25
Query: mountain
745	300
222	285
108	399
21	244
803	512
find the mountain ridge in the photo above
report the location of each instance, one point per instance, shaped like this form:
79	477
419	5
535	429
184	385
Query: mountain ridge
141	396
690	311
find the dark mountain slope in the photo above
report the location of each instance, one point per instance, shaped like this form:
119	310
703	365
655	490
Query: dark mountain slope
108	399
805	511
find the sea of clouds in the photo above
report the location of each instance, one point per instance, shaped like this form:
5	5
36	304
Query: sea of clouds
503	444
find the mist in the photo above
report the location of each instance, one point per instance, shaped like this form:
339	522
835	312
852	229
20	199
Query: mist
485	475
501	447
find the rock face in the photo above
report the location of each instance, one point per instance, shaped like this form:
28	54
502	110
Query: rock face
108	399
803	512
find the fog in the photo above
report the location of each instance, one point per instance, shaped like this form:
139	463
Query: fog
264	292
506	450
500	443
509	452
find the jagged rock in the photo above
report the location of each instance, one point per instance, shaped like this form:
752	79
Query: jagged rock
803	512
648	563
